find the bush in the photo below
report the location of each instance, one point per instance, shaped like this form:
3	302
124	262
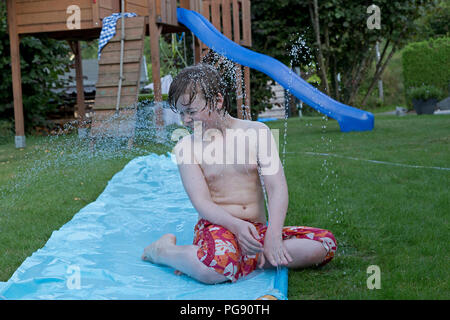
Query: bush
427	63
42	61
151	97
425	92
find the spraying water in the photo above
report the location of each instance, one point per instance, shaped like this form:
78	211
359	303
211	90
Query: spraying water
66	153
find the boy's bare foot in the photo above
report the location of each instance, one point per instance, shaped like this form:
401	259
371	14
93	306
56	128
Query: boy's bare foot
153	251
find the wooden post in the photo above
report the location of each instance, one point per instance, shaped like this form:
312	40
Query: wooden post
191	5
197	49
16	77
293	106
194	5
236	38
81	109
215	14
95	14
239	91
246	23
155	32
247	92
226	19
185	4
246	32
236	25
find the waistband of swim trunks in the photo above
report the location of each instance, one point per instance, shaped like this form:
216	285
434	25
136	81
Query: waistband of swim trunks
206	223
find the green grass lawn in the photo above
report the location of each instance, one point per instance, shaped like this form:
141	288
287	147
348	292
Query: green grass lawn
384	214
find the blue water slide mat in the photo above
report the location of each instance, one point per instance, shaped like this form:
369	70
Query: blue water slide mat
97	254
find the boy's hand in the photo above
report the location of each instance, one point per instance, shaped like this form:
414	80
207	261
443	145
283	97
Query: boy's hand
275	251
248	238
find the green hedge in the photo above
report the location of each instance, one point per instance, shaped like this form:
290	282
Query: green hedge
150	96
427	63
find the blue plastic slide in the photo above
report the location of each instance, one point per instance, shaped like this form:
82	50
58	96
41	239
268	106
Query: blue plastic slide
97	254
349	118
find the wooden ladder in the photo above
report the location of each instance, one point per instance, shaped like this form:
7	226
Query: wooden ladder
107	86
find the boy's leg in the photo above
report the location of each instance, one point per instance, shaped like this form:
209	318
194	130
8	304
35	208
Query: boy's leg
304	252
308	246
183	258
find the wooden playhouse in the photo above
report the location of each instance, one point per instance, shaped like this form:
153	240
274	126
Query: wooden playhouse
118	79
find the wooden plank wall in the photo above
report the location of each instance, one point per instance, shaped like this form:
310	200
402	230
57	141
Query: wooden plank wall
195	5
166	10
34	16
171	12
51	15
230	17
137	6
108	7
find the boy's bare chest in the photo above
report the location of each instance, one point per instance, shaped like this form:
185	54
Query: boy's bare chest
238	154
229	172
223	161
226	156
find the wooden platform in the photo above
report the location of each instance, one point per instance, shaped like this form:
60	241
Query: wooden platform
52	16
37	16
82	20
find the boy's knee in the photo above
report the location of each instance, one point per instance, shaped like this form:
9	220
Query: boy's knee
312	253
318	256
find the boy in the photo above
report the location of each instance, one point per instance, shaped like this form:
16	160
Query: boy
231	237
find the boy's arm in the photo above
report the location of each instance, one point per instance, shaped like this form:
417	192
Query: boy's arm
277	193
197	189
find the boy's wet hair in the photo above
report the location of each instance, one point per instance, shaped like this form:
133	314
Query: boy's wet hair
201	79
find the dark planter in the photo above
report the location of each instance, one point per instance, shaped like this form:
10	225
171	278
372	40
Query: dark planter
424	106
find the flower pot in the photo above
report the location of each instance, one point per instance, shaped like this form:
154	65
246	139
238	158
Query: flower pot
424	106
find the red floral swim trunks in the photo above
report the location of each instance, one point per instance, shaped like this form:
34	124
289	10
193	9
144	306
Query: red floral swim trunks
219	250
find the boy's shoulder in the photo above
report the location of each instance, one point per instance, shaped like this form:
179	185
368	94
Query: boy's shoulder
252	124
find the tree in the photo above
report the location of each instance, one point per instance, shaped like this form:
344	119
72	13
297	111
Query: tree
435	23
276	32
337	33
42	61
